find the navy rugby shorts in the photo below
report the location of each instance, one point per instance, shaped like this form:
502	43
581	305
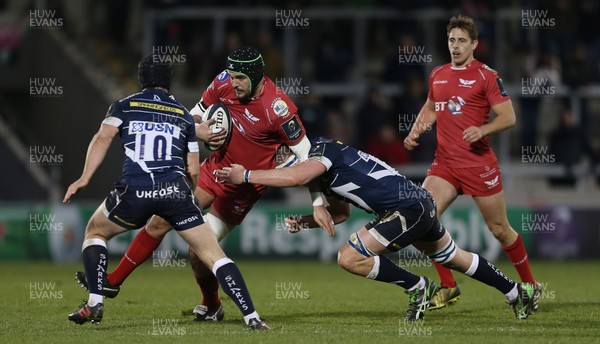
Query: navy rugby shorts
132	206
400	227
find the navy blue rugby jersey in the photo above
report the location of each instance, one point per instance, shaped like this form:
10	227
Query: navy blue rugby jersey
362	179
156	132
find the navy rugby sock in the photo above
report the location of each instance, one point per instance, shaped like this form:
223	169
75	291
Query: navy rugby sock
231	280
385	270
488	273
95	260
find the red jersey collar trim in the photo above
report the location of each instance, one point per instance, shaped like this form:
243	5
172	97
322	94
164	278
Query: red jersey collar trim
463	68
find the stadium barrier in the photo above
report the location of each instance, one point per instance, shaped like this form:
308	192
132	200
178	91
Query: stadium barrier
42	232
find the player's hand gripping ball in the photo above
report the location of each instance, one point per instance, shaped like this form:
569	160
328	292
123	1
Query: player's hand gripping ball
222	117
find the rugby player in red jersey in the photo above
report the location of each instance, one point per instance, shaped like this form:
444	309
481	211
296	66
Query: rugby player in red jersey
263	119
461	94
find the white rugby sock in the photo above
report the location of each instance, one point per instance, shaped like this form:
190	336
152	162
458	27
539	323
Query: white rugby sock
95	299
512	294
251	316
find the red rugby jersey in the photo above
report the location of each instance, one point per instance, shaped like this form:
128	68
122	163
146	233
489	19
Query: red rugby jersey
258	127
463	97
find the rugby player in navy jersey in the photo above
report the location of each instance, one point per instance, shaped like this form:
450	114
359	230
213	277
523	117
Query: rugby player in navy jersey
263	119
405	214
161	165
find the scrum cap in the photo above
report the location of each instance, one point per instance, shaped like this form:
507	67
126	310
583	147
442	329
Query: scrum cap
247	61
154	73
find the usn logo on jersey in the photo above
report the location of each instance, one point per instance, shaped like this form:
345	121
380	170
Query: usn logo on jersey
153	141
454	105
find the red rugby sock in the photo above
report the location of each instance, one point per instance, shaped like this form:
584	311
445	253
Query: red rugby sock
141	248
209	286
518	256
445	275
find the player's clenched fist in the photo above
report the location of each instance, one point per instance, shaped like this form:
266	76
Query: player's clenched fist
410	142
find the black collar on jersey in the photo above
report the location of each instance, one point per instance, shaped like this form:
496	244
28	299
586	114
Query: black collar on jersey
249	62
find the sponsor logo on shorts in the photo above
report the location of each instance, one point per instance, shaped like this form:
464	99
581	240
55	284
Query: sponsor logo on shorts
490	172
188	220
170	190
491	183
239	209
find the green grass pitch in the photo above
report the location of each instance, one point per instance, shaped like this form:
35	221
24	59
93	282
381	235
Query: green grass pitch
303	301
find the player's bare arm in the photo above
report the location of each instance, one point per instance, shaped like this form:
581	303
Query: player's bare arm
95	155
321	215
193	167
424	120
505	119
297	175
337	210
301	150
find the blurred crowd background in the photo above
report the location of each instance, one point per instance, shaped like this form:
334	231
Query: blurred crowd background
346	64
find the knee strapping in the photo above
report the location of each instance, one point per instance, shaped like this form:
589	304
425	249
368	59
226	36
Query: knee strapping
358	245
217	226
375	269
446	254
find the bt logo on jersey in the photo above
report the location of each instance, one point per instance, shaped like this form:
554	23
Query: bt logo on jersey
455	104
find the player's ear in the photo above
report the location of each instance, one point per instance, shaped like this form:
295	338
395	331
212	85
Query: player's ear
475	42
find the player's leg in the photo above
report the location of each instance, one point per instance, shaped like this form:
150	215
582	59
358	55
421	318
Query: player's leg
362	254
493	211
228	207
185	216
210	309
205	244
140	249
444	193
445	251
95	260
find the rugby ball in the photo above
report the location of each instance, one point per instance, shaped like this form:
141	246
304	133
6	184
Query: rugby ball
222	118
